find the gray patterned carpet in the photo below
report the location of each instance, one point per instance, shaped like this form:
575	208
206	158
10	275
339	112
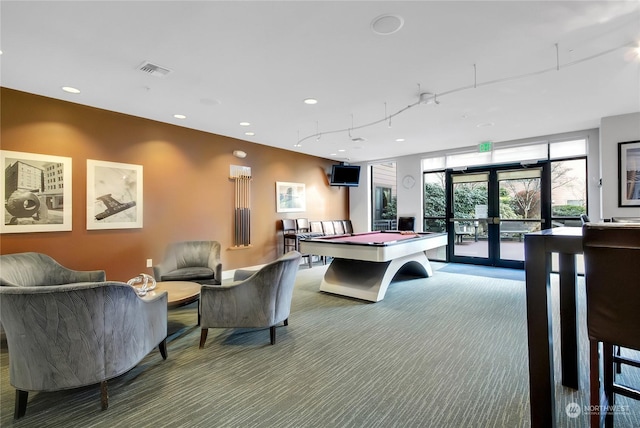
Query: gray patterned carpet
447	351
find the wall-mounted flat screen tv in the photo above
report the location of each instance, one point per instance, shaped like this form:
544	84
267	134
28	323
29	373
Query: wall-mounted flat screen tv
345	175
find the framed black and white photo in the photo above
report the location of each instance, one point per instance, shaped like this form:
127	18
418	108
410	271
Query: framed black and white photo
114	195
290	197
629	174
36	192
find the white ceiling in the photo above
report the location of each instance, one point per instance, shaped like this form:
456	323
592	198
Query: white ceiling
488	62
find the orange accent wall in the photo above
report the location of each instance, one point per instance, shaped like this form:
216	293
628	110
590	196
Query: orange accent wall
187	191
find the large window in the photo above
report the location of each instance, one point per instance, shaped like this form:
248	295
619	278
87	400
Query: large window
435	202
568	191
384	213
518	199
508	153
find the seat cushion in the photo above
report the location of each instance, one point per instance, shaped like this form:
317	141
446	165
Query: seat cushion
188	274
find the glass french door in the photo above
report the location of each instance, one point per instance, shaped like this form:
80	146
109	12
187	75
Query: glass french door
490	211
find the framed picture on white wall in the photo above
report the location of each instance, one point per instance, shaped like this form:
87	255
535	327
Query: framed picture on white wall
629	174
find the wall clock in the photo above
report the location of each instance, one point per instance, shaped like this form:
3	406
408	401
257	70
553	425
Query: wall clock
408	181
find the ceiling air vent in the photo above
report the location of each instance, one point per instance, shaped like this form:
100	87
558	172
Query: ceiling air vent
153	69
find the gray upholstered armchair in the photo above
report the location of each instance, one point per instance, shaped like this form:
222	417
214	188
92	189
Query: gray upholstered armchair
255	299
197	261
35	269
72	335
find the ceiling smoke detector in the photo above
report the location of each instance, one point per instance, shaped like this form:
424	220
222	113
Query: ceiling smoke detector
387	24
153	69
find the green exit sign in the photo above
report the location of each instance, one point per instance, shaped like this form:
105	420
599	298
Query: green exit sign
484	147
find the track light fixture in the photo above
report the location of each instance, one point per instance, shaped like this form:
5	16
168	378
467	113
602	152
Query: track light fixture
428	98
432	98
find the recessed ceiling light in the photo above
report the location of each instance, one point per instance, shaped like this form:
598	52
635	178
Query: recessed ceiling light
386	24
71	90
251	134
179	116
333	154
399	140
341	150
244	124
485	125
310	101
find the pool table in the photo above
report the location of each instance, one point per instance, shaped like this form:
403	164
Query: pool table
364	264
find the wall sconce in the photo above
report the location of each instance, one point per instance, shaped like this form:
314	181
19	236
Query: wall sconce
239	154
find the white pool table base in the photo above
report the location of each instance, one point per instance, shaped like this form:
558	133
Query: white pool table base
369	280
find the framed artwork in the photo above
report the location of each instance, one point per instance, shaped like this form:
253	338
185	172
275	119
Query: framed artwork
114	195
36	192
629	174
290	197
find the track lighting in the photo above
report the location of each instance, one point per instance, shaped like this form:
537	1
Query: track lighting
428	98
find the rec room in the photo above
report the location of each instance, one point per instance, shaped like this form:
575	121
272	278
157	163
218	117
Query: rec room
430	169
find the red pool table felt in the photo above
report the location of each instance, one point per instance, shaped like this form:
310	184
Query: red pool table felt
370	238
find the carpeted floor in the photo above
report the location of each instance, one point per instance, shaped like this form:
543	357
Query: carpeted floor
487	271
447	351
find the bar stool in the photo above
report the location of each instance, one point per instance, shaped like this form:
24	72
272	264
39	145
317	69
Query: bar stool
289	236
611	254
406	223
327	228
302	225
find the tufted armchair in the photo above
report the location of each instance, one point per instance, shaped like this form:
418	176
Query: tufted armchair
255	299
197	261
72	335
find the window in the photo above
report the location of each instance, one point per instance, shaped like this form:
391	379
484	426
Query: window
383	178
435	202
568	191
509	153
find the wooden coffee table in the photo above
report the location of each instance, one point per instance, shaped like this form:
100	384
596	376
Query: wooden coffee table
179	293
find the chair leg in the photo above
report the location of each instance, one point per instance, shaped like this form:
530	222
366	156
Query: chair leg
163	348
594	382
608	379
286	322
272	333
104	395
21	403
203	336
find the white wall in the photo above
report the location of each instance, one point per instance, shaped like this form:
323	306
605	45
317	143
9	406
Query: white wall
360	201
614	130
409	201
